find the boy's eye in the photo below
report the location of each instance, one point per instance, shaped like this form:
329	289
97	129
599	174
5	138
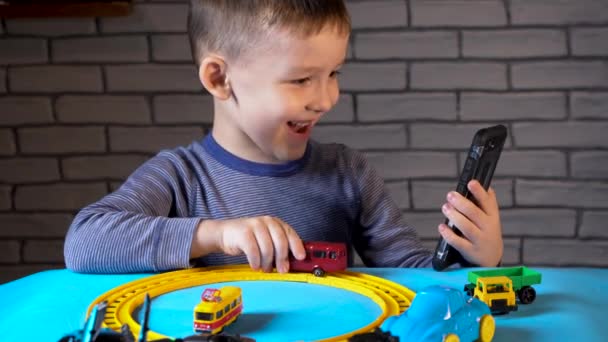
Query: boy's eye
334	73
301	81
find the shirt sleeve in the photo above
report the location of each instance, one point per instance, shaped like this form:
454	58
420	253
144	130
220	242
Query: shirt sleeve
383	239
141	227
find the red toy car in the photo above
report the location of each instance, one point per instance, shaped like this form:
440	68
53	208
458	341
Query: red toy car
321	257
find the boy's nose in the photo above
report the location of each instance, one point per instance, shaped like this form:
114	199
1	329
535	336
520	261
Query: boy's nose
324	99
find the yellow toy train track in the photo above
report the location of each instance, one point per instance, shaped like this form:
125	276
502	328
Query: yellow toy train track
391	297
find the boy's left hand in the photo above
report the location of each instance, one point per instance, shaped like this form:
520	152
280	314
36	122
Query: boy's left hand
481	242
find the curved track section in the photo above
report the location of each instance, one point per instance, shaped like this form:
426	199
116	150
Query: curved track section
391	297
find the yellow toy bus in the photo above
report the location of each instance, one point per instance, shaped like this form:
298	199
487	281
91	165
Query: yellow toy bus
217	309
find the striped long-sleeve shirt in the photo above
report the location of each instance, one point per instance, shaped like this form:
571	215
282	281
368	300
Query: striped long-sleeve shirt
330	194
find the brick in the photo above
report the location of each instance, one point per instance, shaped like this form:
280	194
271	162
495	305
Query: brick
402	165
34	225
431	44
459	75
62	139
589	105
378	13
559	74
431	194
589	41
373	76
23	51
363	137
400	193
514	43
101	167
357	262
589	164
48	251
7	142
61	196
425	223
343	111
149	18
406	106
101	49
444	135
3	80
183	109
11	250
150	77
29	170
171	48
103	109
115	185
553	252
151	139
561	193
55	79
51	27
593	225
512	106
458	13
538	222
512	252
10	273
560	134
530	164
551	12
5	197
23	110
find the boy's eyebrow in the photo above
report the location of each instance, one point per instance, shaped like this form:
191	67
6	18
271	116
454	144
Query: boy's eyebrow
312	68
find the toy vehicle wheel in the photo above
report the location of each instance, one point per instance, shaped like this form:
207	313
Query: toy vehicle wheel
487	327
527	295
318	272
451	338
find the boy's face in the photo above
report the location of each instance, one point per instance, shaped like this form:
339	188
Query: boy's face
279	95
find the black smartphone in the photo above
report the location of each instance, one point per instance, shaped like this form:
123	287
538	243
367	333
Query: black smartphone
480	165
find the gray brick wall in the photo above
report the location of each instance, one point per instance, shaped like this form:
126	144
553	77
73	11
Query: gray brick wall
85	101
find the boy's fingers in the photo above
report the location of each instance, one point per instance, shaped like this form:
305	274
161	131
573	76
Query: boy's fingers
264	241
461	222
295	243
485	199
454	240
281	246
251	250
466	207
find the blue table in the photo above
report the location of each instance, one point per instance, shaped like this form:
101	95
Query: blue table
571	306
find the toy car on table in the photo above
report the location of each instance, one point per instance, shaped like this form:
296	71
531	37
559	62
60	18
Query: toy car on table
440	313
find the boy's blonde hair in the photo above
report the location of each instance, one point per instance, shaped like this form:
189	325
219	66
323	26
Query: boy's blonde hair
233	27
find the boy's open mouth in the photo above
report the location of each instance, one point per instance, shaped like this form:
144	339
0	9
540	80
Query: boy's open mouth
299	127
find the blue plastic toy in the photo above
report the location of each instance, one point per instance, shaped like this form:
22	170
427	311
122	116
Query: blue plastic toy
441	313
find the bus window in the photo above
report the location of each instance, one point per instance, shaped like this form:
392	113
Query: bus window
218	315
233	304
333	255
204	316
226	309
318	254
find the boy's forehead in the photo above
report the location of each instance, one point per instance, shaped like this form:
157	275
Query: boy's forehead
305	52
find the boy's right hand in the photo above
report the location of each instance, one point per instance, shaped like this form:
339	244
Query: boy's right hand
265	240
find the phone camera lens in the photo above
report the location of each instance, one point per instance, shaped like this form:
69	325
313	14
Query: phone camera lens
491	144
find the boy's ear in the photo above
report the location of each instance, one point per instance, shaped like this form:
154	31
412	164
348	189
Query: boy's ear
212	74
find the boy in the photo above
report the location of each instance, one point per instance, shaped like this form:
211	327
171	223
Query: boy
255	187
